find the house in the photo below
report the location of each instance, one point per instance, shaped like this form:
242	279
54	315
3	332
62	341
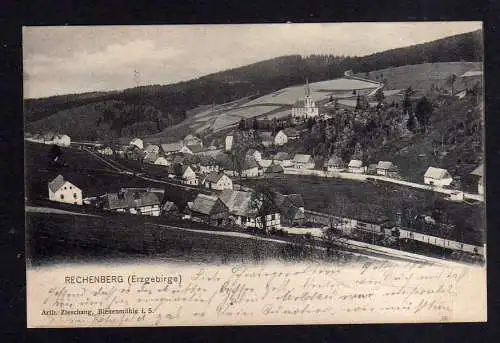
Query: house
356	166
302	161
189	176
185	150
62	140
171	148
274	168
281	138
244	210
383	167
48	138
152	149
479	172
137	142
335	164
249	167
285	135
291	133
208	165
266	138
194	148
255	154
192	140
229	142
217	181
162	161
264	163
372	169
64	191
283	159
291	207
437	177
133	201
303	109
150	158
107	151
209	210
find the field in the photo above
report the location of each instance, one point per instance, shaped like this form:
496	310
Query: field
421	76
210	119
367	200
64	238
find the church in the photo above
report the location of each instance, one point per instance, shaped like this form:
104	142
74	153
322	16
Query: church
305	108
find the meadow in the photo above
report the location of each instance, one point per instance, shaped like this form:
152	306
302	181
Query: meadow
369	200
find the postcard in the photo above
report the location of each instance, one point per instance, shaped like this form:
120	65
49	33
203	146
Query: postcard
203	175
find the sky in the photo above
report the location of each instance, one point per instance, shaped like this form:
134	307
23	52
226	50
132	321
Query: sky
76	59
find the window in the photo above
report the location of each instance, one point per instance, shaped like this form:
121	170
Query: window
75	196
65	187
70	187
62	196
273	216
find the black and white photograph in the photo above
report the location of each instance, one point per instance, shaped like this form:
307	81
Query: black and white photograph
254	174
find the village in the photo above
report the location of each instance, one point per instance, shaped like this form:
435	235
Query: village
232	181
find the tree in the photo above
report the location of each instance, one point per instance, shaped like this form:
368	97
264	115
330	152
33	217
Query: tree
379	96
451	81
255	125
411	124
242	125
237	156
407	99
178	170
55	154
423	112
262	203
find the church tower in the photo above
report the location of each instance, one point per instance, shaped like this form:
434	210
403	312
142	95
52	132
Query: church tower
306	108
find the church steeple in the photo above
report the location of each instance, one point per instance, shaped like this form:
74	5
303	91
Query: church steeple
307	90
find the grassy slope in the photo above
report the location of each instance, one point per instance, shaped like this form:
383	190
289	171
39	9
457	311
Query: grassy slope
421	76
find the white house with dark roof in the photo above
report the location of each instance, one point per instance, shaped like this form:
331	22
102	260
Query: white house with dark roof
244	211
437	177
137	142
479	172
303	161
383	167
217	181
356	167
189	176
64	191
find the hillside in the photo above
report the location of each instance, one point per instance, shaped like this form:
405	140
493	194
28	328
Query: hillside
424	76
151	109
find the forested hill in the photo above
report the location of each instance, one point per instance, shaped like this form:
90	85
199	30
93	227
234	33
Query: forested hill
150	109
